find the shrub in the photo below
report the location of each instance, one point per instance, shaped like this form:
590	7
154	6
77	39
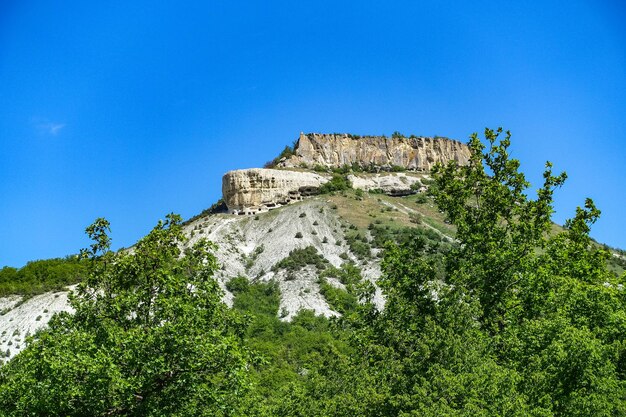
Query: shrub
337	183
421	199
285	153
299	258
415	218
41	276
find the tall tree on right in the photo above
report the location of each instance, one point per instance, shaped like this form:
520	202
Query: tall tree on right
518	318
553	312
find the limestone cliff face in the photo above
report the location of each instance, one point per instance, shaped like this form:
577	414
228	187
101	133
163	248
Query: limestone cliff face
248	191
335	150
394	184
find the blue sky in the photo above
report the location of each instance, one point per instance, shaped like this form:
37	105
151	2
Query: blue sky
130	110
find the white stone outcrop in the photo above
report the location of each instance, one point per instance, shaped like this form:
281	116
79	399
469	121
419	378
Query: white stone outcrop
249	191
396	184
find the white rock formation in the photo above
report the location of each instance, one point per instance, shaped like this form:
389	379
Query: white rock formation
248	191
414	153
396	184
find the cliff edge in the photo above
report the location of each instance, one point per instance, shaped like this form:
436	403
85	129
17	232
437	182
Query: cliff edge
372	158
375	152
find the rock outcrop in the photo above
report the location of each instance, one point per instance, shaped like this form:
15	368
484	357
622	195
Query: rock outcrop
337	150
249	191
397	184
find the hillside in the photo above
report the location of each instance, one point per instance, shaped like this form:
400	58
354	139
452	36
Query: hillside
347	227
300	227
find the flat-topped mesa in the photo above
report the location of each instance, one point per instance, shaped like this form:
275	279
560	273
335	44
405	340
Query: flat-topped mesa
249	191
378	152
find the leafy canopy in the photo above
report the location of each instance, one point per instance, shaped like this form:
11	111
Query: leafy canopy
149	336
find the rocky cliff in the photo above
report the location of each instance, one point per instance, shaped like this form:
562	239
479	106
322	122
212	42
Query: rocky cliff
338	150
248	191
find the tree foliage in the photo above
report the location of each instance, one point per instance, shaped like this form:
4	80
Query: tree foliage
40	276
516	321
149	336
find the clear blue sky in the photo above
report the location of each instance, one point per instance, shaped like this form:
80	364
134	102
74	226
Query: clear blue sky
130	110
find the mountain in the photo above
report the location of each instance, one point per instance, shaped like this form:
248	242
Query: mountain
322	212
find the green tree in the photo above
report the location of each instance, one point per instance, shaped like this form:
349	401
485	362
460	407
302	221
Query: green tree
149	336
513	320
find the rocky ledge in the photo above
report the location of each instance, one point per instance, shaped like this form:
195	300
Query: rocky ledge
375	152
249	191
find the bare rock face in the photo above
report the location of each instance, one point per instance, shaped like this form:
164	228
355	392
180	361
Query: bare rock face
414	153
248	191
396	184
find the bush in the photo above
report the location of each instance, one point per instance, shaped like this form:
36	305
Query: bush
238	284
336	183
421	199
299	235
299	258
415	218
286	153
218	207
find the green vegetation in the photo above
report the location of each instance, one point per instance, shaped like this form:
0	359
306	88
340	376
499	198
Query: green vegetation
37	277
421	199
359	244
337	183
384	234
299	258
249	260
397	168
218	207
344	301
150	336
513	318
290	353
498	328
285	153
